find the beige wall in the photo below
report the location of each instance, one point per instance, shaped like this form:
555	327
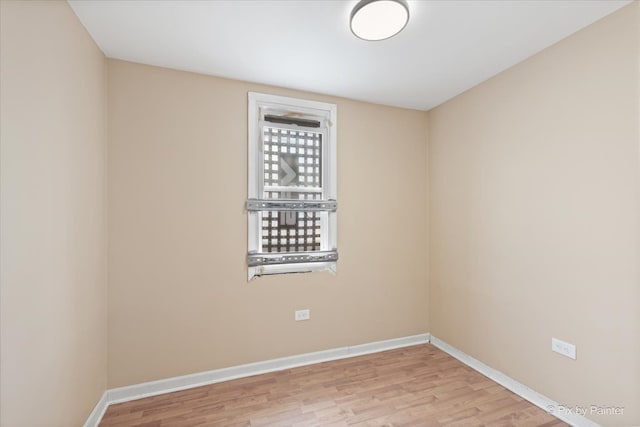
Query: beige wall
179	300
53	302
535	219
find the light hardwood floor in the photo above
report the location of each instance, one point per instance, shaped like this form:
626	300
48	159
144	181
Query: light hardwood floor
413	386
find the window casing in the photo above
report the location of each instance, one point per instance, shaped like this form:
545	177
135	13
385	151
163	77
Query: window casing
292	207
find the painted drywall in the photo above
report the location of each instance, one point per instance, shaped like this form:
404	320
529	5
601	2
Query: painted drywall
179	300
53	364
534	181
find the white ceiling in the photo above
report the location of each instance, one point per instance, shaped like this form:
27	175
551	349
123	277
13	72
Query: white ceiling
447	47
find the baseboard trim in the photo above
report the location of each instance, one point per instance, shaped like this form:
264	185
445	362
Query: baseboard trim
518	388
98	411
169	385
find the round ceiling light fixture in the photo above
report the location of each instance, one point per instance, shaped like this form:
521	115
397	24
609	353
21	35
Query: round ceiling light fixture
375	20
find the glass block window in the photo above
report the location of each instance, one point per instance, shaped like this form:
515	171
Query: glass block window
292	186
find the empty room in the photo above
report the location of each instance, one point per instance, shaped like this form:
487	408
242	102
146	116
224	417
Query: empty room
319	213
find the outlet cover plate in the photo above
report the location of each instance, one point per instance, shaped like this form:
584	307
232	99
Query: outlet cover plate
564	348
303	315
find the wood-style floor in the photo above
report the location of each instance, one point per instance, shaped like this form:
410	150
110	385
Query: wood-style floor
413	386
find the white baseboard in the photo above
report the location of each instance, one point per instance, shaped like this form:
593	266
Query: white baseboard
98	411
518	388
168	385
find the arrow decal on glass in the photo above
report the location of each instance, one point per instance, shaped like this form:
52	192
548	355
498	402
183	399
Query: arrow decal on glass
288	168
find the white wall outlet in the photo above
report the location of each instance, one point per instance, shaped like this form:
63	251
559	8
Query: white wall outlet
303	315
564	348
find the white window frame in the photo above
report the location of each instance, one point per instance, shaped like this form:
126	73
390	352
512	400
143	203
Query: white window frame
259	105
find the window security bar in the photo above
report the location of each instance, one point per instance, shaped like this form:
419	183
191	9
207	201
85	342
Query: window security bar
258	259
254	205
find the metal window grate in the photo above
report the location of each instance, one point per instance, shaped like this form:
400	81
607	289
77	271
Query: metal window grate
292	158
291	231
292	161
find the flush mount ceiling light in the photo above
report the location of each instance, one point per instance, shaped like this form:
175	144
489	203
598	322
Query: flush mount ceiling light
379	19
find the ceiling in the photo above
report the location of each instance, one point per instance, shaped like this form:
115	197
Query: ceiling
447	47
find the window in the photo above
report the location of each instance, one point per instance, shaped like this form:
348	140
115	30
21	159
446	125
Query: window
292	205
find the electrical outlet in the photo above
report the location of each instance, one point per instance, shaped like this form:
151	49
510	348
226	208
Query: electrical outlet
564	348
303	315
